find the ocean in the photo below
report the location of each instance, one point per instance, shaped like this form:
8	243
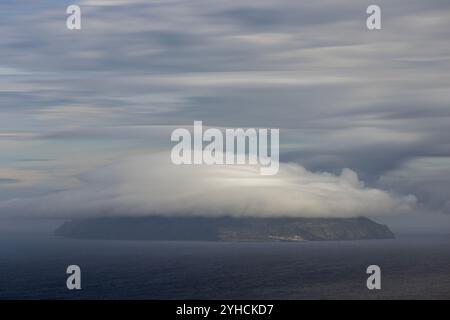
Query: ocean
33	266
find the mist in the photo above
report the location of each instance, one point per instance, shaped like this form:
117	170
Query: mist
152	185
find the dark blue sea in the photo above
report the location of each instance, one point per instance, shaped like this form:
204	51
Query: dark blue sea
33	266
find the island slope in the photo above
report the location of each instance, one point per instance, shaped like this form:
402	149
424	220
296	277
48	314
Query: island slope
225	229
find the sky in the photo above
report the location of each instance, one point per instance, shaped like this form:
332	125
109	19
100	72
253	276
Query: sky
86	115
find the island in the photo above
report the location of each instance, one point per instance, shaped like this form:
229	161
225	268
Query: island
158	228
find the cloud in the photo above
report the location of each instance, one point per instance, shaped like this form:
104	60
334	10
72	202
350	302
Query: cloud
152	185
427	177
14	178
341	95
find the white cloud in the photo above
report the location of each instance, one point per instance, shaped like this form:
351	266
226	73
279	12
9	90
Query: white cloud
152	185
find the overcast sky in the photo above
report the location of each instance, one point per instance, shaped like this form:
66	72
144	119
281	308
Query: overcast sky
376	102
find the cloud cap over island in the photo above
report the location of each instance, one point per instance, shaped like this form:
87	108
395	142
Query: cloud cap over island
152	185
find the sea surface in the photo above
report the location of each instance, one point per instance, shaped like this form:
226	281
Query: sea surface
33	266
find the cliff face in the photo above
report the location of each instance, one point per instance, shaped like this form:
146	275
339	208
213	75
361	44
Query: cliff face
225	229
